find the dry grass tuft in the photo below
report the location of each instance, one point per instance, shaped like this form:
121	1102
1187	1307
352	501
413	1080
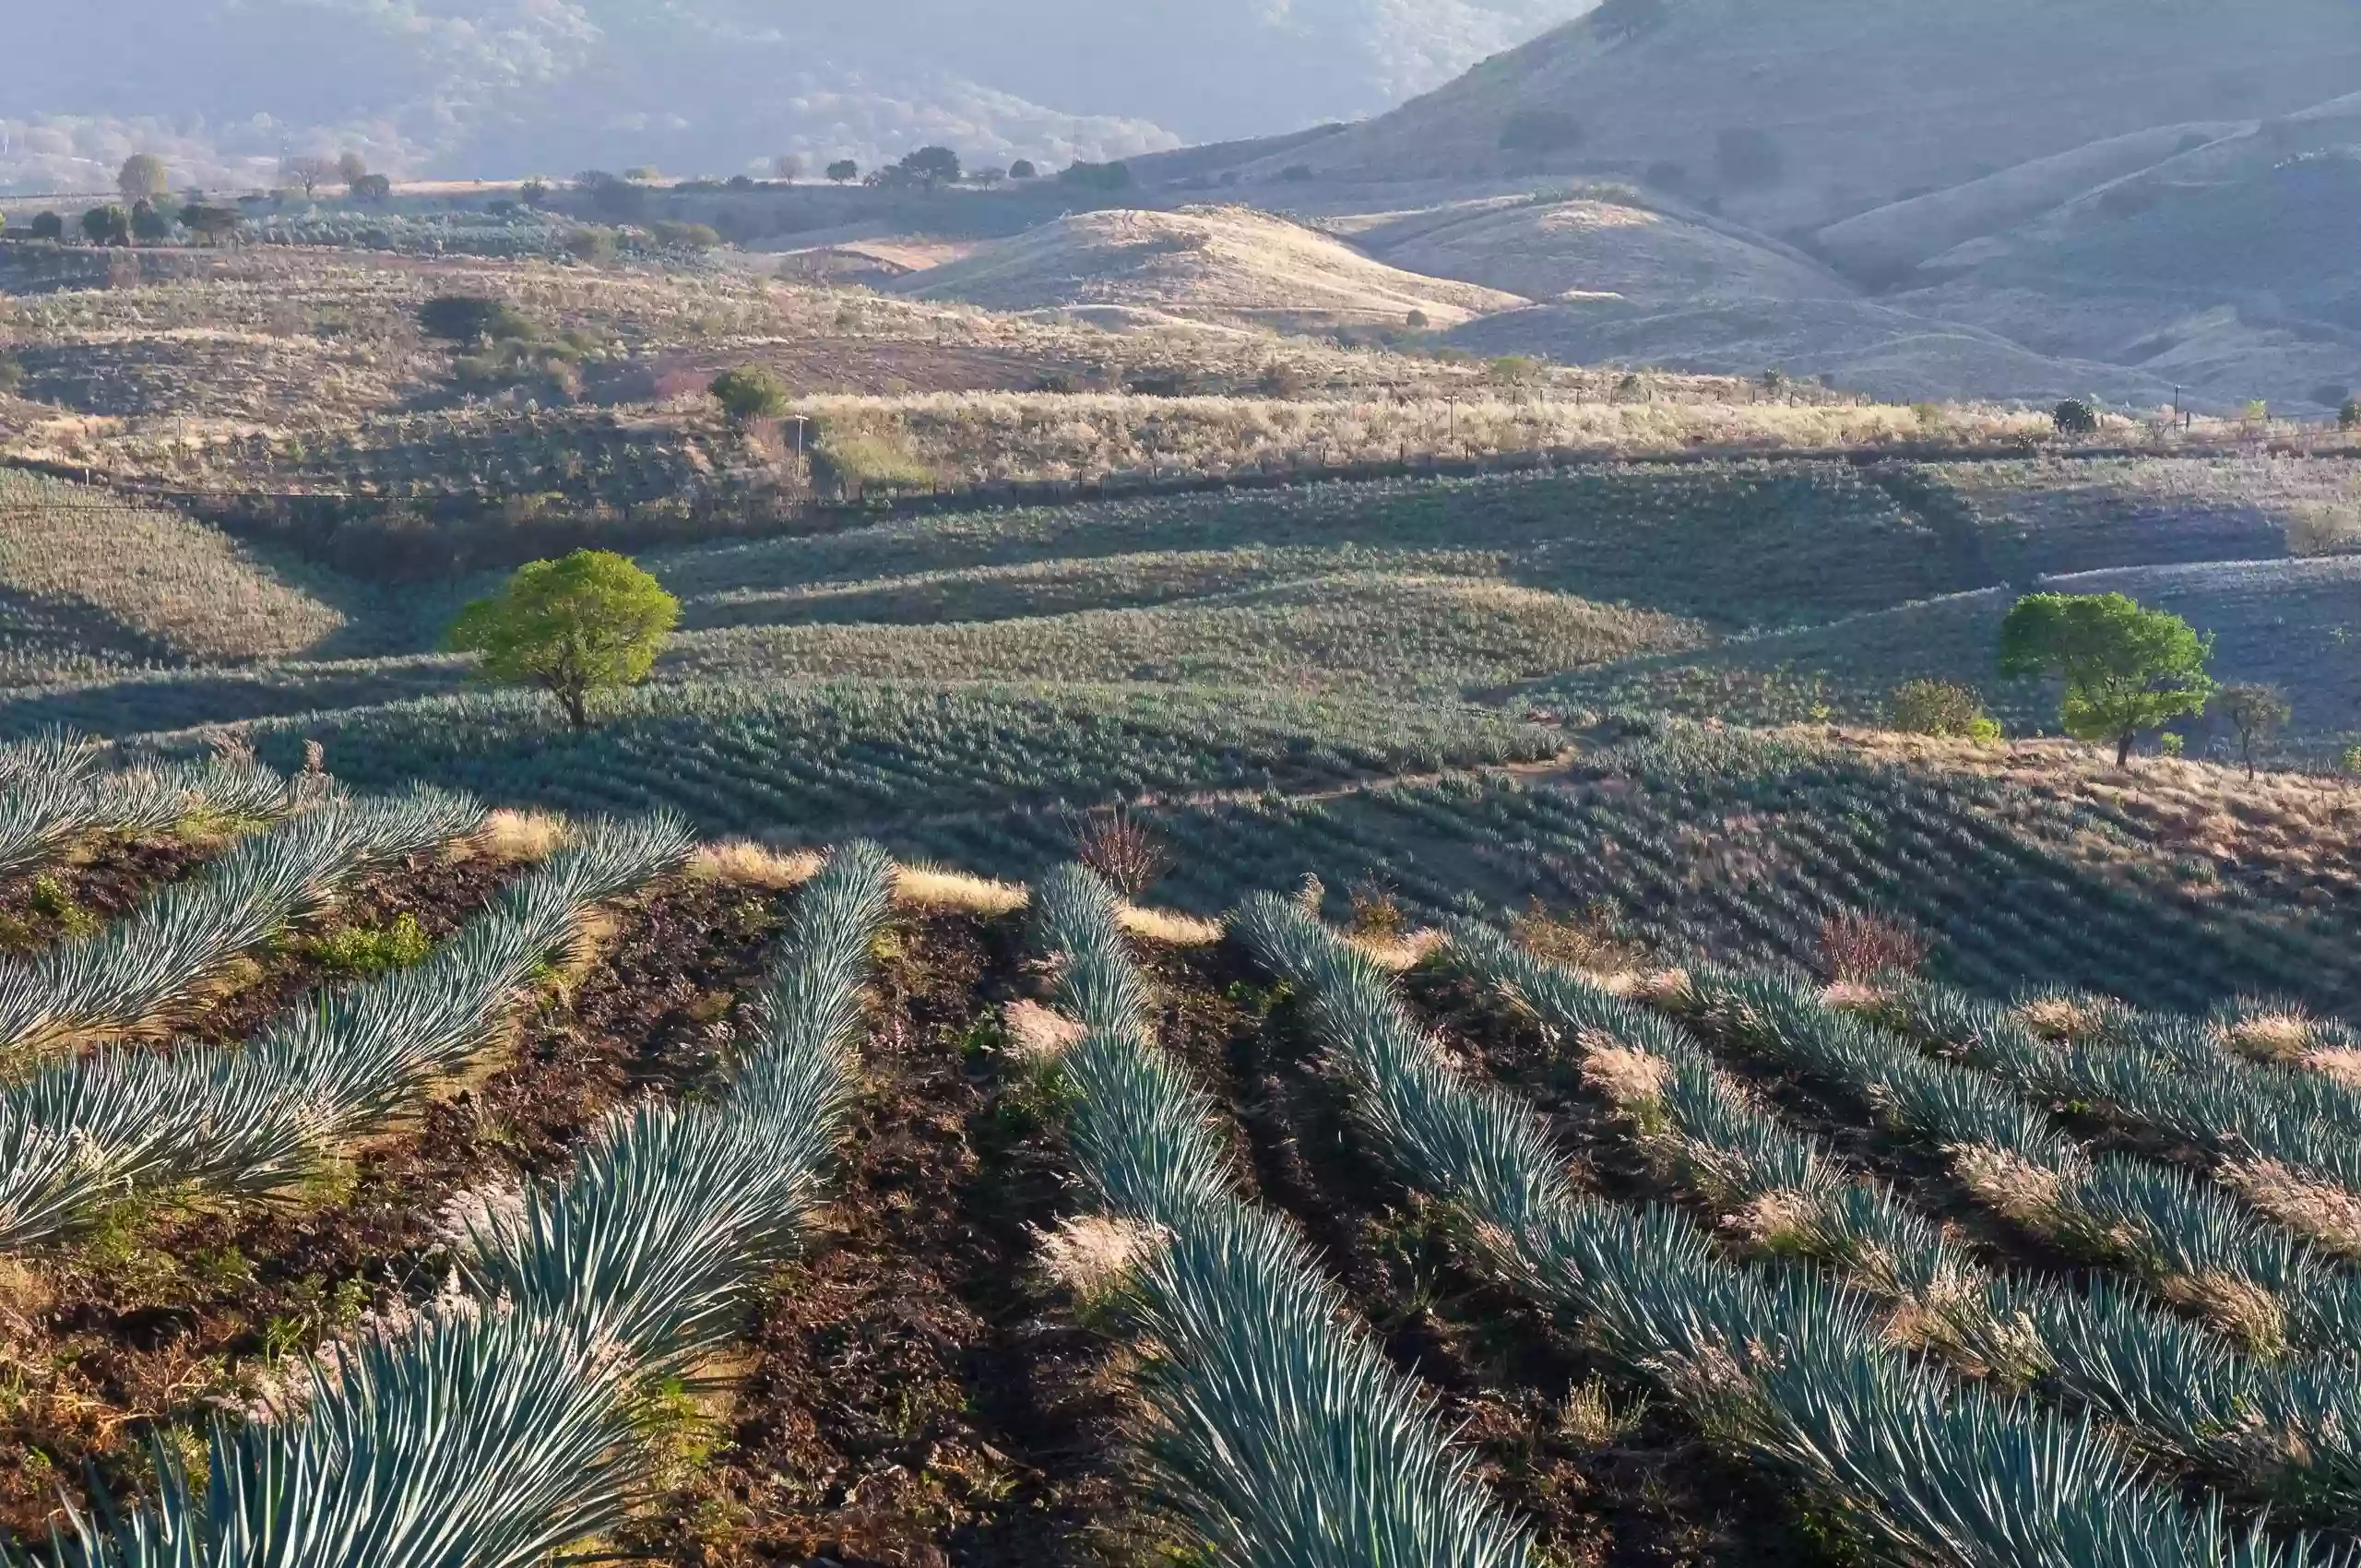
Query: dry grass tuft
2329	1214
1591	940
2269	1037
1168	928
740	862
1590	1419
2062	1018
1091	1256
521	837
2341	1063
1631	1079
1858	948
1037	1033
2003	1182
1399	953
2254	1316
932	888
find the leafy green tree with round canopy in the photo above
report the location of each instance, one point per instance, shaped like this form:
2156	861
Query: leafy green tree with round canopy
143	178
749	393
590	622
2127	669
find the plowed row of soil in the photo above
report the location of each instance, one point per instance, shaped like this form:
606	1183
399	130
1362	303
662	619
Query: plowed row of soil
914	1399
179	1310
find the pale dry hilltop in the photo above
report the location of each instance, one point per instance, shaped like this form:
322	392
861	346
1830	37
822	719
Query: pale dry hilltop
1223	263
1604	244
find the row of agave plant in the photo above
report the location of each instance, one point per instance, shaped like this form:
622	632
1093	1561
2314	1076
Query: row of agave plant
122	978
87	1132
507	1421
2286	1139
54	790
1277	1430
2193	1242
1781	1364
2277	1428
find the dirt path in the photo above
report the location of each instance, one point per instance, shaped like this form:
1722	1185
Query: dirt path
912	1401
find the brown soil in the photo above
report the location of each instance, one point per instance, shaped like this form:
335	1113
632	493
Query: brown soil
174	1311
1654	1495
103	879
443	893
912	1400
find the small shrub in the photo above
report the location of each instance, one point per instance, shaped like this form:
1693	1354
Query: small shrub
470	318
47	225
592	244
2171	742
367	951
2323	528
1943	708
2349	416
1857	947
1592	940
1097	176
2256	712
1129	852
48	899
2350	761
1377	912
1297	174
1281	380
748	393
2075	416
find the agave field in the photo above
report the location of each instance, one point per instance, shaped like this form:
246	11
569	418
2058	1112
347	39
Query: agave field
406	1183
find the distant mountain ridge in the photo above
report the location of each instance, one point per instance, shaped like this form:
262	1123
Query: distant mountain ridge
474	87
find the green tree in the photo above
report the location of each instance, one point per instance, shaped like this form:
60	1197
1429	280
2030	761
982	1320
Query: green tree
210	222
2075	416
590	622
470	318
2127	670
48	226
1943	708
749	392
1024	169
2256	713
149	224
844	170
932	166
592	244
351	168
107	225
143	178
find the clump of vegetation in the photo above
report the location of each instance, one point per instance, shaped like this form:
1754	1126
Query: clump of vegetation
1943	708
1858	948
367	951
2127	669
1086	176
749	393
2348	416
589	622
2075	416
861	458
1124	849
1591	938
1377	910
2256	712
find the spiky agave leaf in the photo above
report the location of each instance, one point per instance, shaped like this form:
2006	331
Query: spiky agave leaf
1274	1423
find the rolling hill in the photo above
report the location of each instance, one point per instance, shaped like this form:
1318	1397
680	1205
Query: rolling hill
1222	264
1797	116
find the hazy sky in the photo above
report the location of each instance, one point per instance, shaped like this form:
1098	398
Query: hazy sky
494	86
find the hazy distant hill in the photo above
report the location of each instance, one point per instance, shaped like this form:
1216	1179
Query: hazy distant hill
1794	113
473	87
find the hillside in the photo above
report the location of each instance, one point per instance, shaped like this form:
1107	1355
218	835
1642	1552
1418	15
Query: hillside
1798	115
1221	264
1543	248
